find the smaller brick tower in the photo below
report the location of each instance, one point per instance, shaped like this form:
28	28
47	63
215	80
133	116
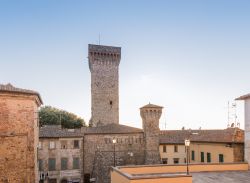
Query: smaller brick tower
18	134
150	117
104	67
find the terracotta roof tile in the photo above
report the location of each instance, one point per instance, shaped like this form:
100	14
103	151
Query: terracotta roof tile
55	131
229	135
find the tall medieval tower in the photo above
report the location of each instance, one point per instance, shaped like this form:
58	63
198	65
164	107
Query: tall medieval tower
151	115
104	67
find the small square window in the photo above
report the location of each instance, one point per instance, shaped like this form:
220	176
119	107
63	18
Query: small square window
40	145
76	144
52	145
165	160
176	160
175	148
164	148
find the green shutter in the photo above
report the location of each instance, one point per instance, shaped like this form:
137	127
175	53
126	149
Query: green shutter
202	157
221	158
193	156
52	164
208	157
76	163
64	163
40	162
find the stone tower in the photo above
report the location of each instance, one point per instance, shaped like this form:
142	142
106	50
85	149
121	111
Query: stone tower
150	118
104	67
18	134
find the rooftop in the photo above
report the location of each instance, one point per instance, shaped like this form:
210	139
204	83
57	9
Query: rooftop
10	88
229	135
151	106
104	49
55	131
221	177
243	97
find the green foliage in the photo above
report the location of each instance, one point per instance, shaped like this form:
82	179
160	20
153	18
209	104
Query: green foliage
52	116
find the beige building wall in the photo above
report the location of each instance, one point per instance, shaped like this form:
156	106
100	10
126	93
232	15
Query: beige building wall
214	149
170	153
64	148
231	153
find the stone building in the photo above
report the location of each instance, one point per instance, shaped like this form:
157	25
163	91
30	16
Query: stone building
60	155
18	134
207	146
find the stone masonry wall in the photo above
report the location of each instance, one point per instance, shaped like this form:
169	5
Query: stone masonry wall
69	152
18	138
150	117
104	67
99	153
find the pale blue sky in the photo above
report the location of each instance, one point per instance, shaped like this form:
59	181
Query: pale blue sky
189	56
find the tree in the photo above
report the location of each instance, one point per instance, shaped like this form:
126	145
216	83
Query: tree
52	116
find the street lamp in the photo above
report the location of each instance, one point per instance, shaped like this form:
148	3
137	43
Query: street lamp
187	144
114	142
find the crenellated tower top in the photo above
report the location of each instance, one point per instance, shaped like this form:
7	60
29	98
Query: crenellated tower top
104	55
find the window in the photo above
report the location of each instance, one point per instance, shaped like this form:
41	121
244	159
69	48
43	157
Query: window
175	148
164	148
40	165
164	160
208	157
52	145
63	144
202	157
185	160
221	158
40	145
176	160
76	163
193	155
76	144
64	163
52	164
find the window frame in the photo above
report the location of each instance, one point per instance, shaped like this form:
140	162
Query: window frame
49	165
78	164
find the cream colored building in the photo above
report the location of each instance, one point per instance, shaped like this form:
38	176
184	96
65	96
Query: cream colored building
207	146
60	155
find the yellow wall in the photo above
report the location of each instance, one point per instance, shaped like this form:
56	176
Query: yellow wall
213	148
170	154
118	178
164	180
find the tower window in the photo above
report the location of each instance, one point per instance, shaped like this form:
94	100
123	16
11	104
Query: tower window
110	102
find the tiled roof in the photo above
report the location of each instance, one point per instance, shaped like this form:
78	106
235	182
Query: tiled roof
243	97
10	88
229	135
55	131
151	106
112	129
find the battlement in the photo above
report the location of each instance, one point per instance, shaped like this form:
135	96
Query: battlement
104	50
